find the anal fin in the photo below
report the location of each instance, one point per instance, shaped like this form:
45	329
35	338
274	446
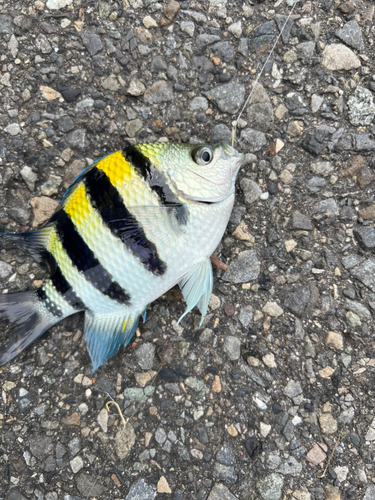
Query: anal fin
196	287
106	333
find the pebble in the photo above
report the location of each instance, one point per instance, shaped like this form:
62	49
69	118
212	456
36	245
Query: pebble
163	486
334	340
353	320
253	140
86	482
13	129
188	27
124	441
301	222
58	4
246	315
228	97
235	29
141	490
327	423
271	487
244	268
273	309
351	35
145	354
159	92
224	473
332	493
232	347
251	190
5	269
221	492
316	455
291	467
76	464
361	107
92	43
293	389
43	208
337	57
299	300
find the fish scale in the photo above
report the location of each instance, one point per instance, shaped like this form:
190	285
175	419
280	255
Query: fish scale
131	226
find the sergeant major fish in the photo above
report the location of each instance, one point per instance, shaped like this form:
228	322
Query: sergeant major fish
130	227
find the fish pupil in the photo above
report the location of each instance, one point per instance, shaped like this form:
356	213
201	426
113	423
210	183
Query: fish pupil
206	156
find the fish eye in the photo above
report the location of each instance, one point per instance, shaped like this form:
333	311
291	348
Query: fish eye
202	155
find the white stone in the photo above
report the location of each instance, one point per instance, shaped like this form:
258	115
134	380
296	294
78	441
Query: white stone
273	309
13	129
269	360
236	29
264	429
76	464
103	419
58	4
338	57
188	27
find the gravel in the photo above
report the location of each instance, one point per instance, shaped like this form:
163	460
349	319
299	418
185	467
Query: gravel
276	384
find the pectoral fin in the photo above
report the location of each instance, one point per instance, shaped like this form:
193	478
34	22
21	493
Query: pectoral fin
196	287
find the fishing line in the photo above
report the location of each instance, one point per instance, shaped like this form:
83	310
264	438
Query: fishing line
255	83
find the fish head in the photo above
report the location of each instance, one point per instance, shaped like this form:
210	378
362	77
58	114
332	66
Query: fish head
200	172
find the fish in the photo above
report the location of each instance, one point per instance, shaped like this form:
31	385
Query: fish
131	226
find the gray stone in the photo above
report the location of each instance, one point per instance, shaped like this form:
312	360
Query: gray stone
290	467
260	110
301	222
358	308
243	268
74	446
246	315
145	355
5	24
51	186
370	493
225	473
364	177
160	435
135	394
365	237
224	50
305	50
315	184
337	57
14	494
362	142
202	41
361	107
351	260
188	27
293	389
288	430
159	92
252	140
65	124
299	300
19	214
203	64
13	129
225	455
5	269
136	88
232	347
228	97
29	177
77	138
262	36
351	35
42	44
110	83
271	487
124	441
92	43
158	64
323	168
183	453
198	104
327	210
243	47
221	133
284	24
221	492
89	486
141	491
202	435
365	273
84	104
133	127
40	446
197	385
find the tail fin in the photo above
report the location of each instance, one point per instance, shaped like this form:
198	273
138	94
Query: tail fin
33	243
29	321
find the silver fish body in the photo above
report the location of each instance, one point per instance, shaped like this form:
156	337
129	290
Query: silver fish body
131	226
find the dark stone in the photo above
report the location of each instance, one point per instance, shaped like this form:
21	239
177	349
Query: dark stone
224	473
363	142
15	495
315	184
253	447
284	26
202	435
19	215
92	484
203	64
262	36
364	177
202	41
172	373
301	222
69	94
311	145
365	237
351	35
349	292
65	124
158	64
298	302
92	43
243	47
272	188
77	138
221	133
5	24
40	446
326	4
225	456
224	50
288	430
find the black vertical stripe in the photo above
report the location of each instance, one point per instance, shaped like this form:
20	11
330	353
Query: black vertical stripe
84	259
105	198
156	179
